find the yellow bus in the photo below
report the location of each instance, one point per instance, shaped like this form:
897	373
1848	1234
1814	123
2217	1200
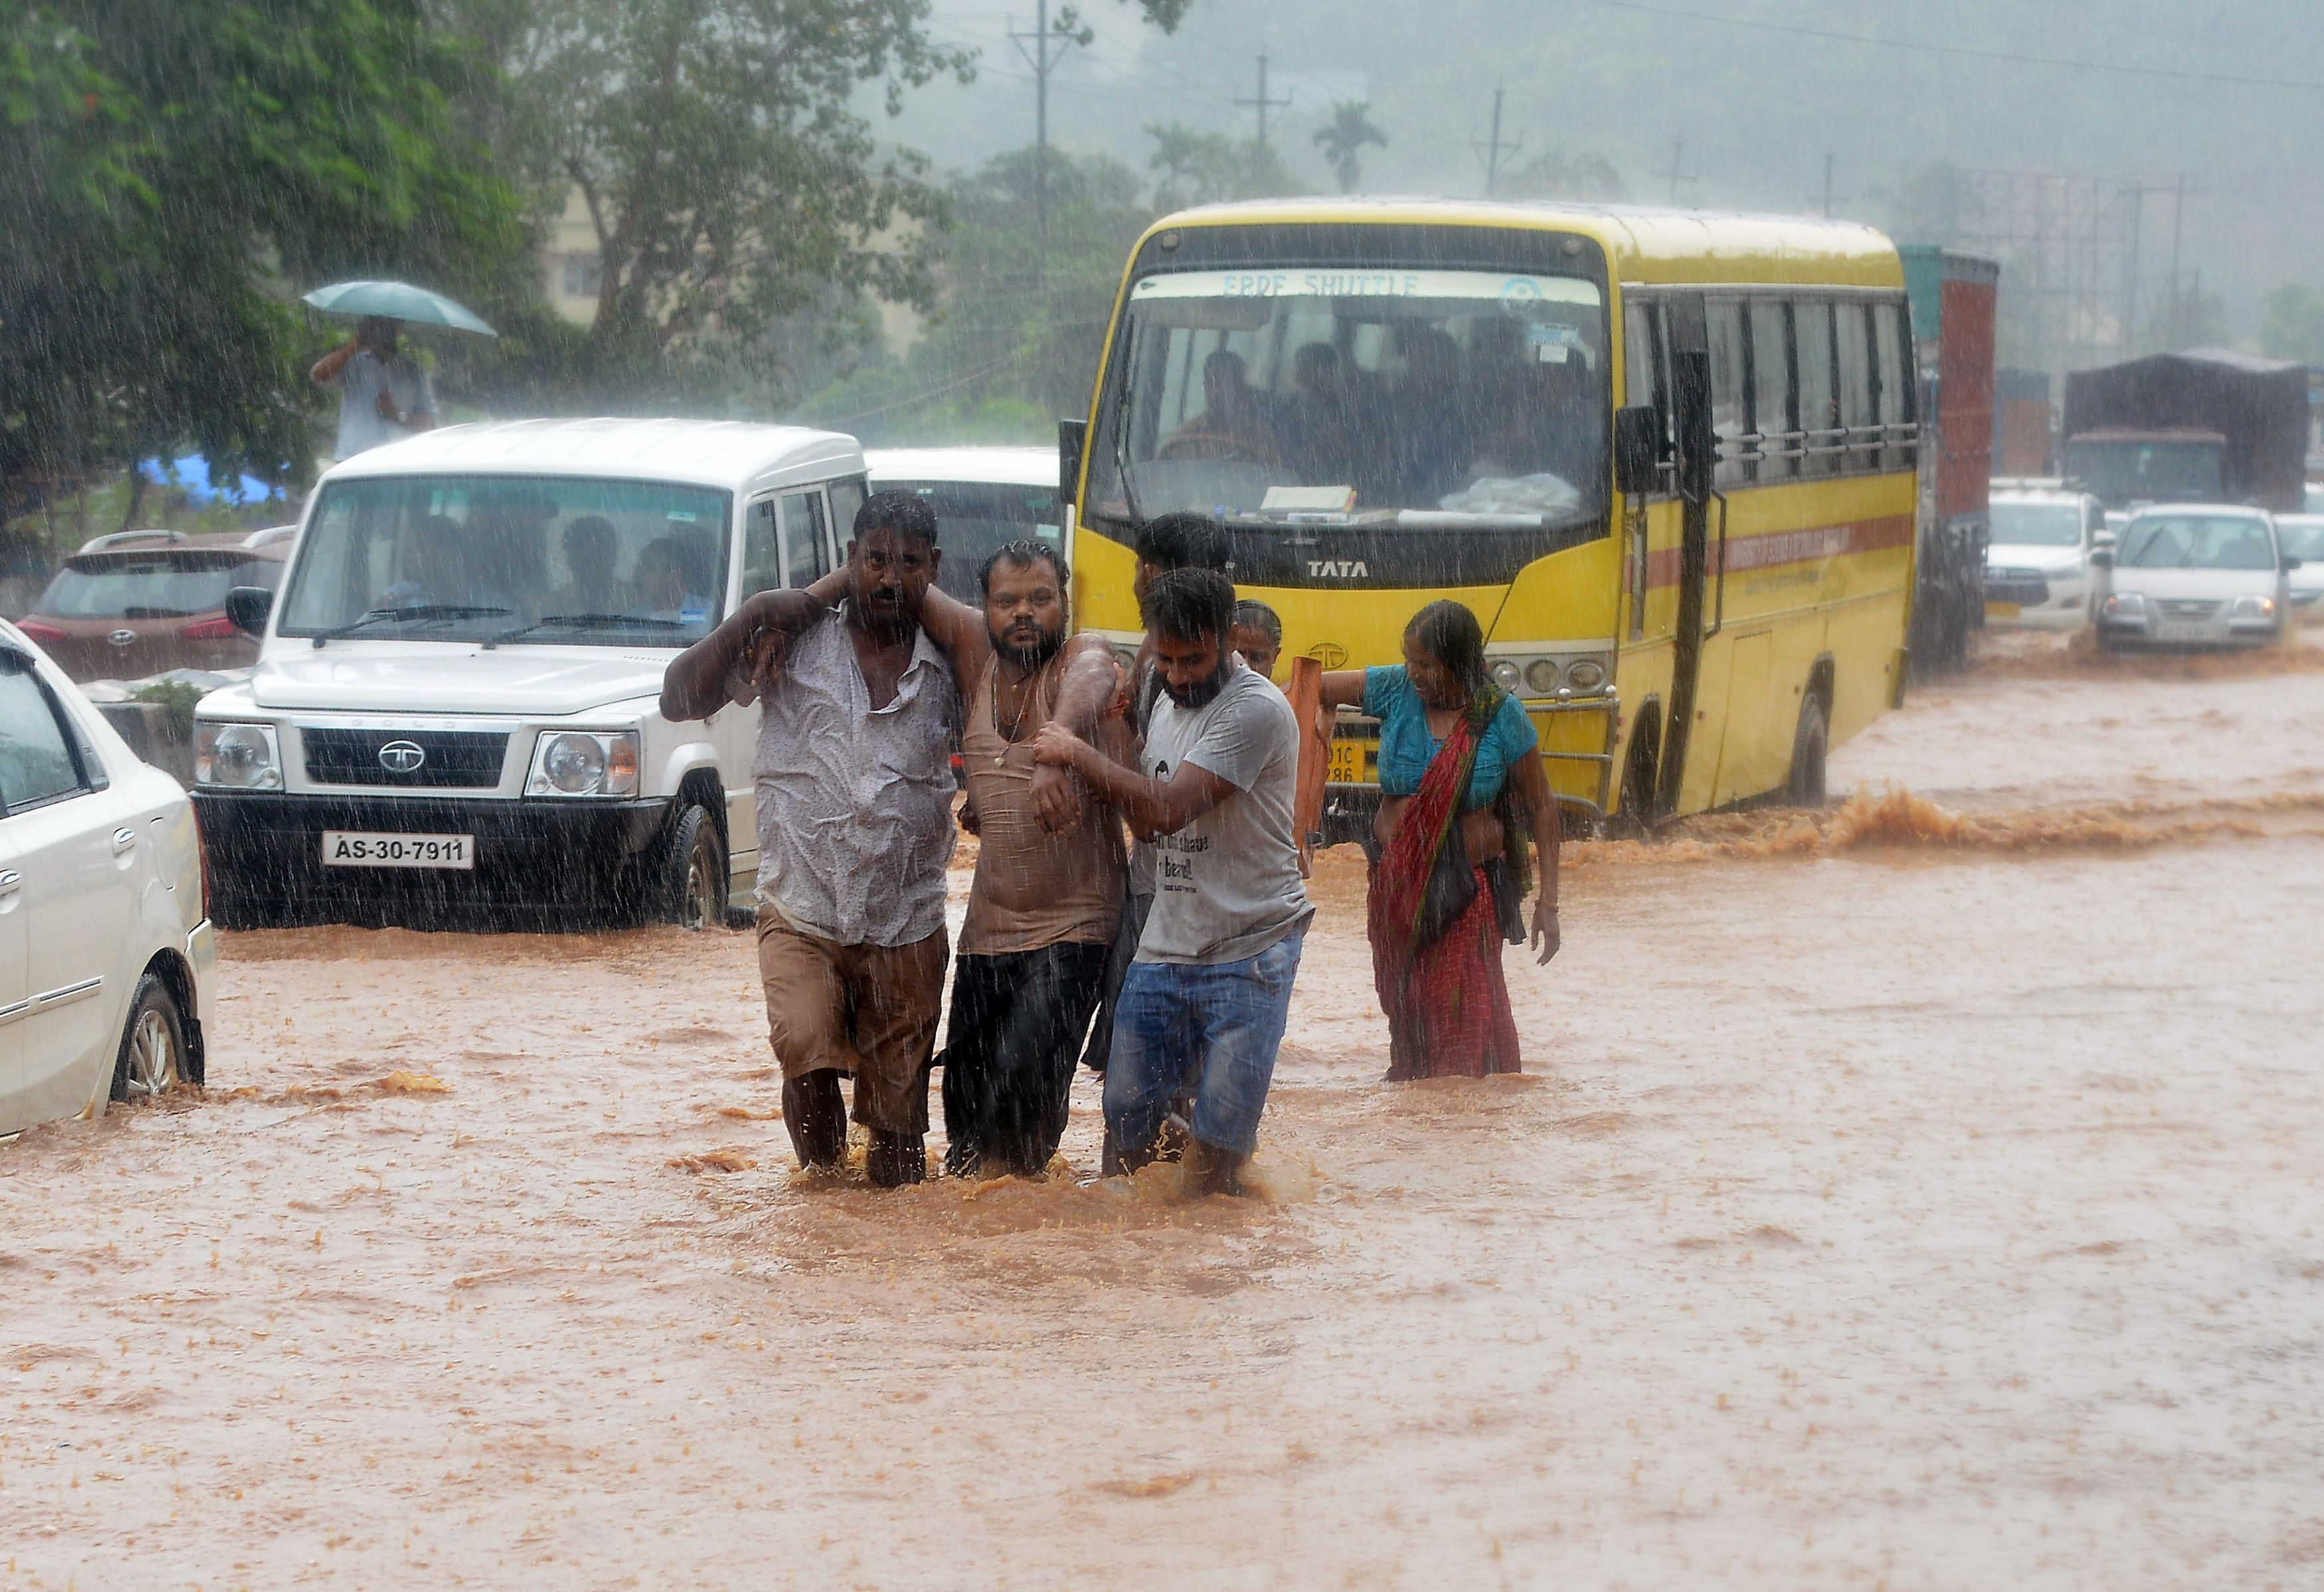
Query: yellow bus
1668	458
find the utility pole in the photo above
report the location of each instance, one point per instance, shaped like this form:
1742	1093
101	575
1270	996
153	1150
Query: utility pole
1043	62
2137	202
2178	311
1827	185
1491	149
1677	173
1263	103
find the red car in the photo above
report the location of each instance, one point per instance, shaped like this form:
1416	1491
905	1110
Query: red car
143	601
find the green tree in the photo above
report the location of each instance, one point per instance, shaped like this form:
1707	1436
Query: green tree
728	182
2291	324
1192	167
1343	140
172	170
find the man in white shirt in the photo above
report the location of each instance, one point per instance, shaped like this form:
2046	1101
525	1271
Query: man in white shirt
383	396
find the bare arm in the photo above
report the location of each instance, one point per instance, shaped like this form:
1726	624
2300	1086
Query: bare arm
1343	687
1153	807
695	685
1541	809
959	631
1087	686
327	369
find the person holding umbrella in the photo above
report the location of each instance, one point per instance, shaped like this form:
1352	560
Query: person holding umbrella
383	396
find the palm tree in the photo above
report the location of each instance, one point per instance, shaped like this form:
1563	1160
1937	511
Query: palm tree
1344	138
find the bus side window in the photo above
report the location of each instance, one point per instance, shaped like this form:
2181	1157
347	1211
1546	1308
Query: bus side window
1647	375
761	568
1897	378
1858	410
1771	390
1730	397
1818	401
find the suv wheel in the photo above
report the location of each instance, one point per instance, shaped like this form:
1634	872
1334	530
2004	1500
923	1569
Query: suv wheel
694	871
152	1058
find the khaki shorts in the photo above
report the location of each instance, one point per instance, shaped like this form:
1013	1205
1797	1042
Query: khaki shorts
869	1010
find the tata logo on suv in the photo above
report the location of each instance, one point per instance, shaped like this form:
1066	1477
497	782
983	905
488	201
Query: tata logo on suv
1337	570
402	757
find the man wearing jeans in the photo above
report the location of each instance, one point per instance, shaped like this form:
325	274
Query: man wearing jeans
1206	998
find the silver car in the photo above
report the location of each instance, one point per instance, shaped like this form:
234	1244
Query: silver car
2302	537
2194	575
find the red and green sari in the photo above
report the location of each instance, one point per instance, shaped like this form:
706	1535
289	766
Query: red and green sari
1447	1004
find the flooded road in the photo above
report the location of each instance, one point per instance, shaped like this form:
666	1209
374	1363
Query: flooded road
1906	1213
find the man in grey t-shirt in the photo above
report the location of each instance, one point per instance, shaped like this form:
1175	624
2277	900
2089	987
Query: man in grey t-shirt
1206	999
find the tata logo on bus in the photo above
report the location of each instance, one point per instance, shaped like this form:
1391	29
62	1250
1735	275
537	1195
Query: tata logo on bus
1337	570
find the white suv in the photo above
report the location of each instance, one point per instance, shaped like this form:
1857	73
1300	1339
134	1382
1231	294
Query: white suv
454	709
2037	557
106	947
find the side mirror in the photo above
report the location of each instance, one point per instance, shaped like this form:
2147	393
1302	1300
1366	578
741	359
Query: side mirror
2103	537
2102	559
2290	563
1638	445
248	607
1073	437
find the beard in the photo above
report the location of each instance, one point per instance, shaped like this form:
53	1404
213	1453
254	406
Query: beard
1199	695
1028	646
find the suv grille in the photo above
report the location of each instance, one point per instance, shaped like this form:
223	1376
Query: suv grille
456	759
2025	587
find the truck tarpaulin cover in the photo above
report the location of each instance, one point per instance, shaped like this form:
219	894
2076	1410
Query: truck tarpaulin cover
2259	405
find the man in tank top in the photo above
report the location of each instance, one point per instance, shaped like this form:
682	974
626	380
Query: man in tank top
1047	894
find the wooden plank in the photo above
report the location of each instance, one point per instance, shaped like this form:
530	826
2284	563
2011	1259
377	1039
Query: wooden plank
1305	691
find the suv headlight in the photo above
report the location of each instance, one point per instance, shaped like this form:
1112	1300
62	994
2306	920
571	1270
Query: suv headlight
237	756
2254	608
2126	605
584	763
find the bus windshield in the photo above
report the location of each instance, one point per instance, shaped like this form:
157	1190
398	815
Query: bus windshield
1385	397
534	560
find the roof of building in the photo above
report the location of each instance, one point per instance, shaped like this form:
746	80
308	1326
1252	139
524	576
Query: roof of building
736	454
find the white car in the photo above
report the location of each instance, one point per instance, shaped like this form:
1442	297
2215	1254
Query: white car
2199	575
106	945
985	499
2037	557
2302	536
455	711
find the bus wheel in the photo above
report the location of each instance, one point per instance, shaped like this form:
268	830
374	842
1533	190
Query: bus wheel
1806	788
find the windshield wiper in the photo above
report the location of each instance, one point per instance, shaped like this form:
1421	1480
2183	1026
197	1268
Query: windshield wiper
441	613
588	621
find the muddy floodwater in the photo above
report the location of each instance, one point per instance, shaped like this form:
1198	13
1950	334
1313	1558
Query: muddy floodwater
1928	1198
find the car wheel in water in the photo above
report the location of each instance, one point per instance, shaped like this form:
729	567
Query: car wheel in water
1806	788
694	883
153	1059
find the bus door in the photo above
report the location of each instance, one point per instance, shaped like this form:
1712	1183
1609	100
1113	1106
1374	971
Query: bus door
1686	328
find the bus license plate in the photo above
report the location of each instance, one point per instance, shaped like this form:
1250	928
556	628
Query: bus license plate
349	849
1347	763
2001	610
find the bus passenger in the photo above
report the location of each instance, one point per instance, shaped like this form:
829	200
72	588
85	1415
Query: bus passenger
1459	762
1318	425
1232	425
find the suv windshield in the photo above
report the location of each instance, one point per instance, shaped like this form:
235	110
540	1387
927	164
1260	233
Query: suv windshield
978	519
150	585
477	558
1388	397
2037	525
2196	541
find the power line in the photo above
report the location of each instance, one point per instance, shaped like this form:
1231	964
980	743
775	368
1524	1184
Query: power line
1262	103
1963	51
1043	63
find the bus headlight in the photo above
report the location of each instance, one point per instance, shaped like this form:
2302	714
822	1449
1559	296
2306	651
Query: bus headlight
237	756
1541	676
584	763
1506	675
1585	674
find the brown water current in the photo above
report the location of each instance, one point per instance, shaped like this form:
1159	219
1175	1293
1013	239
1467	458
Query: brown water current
1891	1205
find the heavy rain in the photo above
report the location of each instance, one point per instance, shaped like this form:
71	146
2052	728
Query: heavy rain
896	794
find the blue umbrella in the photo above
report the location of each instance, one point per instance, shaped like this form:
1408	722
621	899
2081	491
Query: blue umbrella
398	300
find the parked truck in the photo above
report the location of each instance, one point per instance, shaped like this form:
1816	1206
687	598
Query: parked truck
2212	425
1954	302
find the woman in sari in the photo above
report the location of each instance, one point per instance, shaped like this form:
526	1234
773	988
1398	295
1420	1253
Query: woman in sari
1462	788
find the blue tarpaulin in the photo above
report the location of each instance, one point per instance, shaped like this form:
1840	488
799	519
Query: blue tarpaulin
191	474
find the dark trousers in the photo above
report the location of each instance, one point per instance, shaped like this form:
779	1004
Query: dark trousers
1016	1023
1134	908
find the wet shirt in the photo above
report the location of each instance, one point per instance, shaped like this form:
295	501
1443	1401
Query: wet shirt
1033	889
1406	748
361	381
854	803
1227	886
